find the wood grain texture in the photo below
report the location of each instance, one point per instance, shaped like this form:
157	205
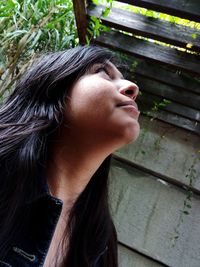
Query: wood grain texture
177	120
175	114
153	52
165	149
157	72
81	19
184	97
128	258
181	8
156	82
137	24
147	102
146	213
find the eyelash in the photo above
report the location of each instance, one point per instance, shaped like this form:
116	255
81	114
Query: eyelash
102	69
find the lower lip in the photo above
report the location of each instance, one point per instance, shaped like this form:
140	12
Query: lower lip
133	110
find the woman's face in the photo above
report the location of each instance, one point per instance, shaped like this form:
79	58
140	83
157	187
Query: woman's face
102	104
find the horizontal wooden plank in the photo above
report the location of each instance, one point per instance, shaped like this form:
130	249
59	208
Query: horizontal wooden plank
186	98
166	150
178	121
148	102
133	67
151	51
183	111
156	175
181	8
178	79
147	212
137	24
128	258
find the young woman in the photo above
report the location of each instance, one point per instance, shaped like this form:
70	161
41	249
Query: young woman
57	130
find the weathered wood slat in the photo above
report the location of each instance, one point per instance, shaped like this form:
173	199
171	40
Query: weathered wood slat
181	8
148	102
146	213
186	98
151	51
128	258
81	19
133	67
166	150
174	34
178	121
158	73
184	112
156	175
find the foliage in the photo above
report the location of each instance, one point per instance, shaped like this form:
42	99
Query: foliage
161	104
30	27
95	28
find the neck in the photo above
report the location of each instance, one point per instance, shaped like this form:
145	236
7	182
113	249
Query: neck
72	163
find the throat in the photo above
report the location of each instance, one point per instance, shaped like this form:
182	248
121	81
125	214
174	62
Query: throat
58	246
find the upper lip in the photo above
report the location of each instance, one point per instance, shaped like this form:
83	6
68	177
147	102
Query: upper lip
126	103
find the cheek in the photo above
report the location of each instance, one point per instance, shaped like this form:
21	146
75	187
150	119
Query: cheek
92	91
89	101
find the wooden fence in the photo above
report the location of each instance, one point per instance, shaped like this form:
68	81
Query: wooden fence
155	182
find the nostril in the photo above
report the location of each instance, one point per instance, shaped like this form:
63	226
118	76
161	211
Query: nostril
129	89
129	92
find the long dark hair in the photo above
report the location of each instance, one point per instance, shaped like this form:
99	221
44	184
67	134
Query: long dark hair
28	118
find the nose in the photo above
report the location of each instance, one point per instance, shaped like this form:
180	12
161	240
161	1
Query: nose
129	89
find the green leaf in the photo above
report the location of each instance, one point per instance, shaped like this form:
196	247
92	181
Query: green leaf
166	101
105	12
194	36
11	35
36	38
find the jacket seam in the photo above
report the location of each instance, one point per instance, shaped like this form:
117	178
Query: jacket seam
7	264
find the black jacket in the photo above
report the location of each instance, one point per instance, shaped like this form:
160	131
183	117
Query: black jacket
40	217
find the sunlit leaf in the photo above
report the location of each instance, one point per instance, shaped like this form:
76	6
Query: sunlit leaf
105	12
189	45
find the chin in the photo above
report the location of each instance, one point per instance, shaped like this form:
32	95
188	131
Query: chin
131	134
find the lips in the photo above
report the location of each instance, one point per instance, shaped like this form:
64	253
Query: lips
128	103
130	107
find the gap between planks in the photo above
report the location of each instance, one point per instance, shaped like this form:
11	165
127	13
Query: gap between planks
165	178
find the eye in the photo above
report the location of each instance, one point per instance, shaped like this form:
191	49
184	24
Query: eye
103	69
